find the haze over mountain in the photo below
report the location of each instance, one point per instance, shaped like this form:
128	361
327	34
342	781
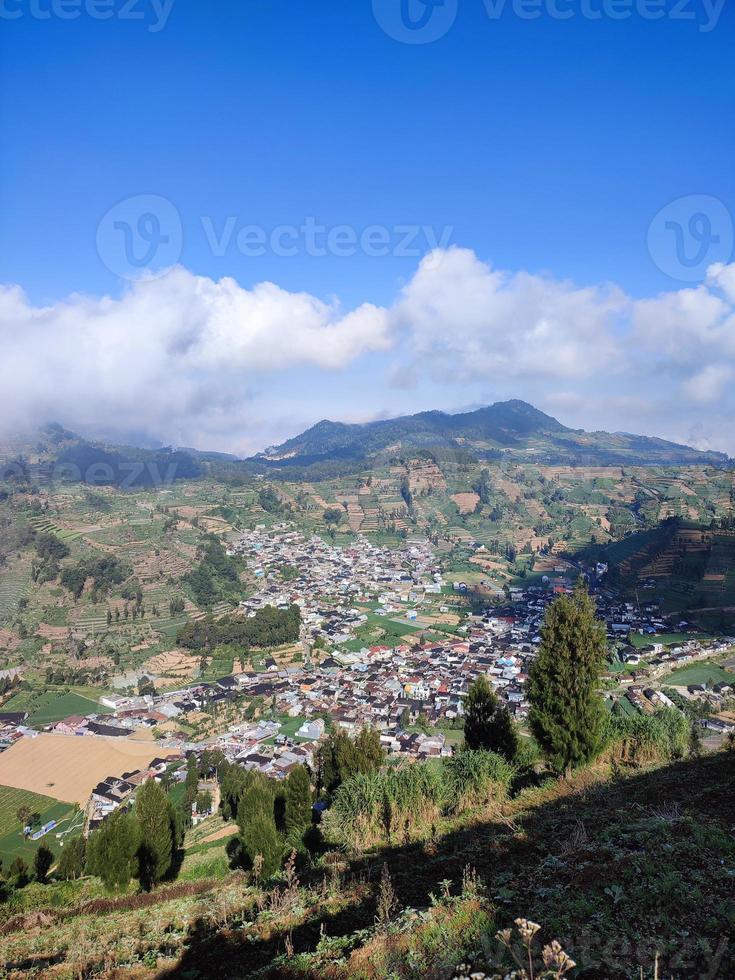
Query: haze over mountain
511	429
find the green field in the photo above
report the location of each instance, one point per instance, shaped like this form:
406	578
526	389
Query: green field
627	707
704	673
668	639
12	842
48	707
289	727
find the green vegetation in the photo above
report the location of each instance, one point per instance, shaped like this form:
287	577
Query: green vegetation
112	850
268	628
642	739
104	573
298	801
339	758
260	841
487	722
154	813
215	577
706	673
46	708
567	713
45	809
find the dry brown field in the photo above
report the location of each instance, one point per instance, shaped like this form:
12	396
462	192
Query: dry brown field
466	502
68	767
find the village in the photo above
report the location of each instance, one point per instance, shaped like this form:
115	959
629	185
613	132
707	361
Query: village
410	686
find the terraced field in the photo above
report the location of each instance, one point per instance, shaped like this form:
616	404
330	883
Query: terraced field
12	590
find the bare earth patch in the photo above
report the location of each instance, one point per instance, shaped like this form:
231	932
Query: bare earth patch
466	502
220	834
68	767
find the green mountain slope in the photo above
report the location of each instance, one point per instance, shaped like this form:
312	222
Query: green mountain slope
512	429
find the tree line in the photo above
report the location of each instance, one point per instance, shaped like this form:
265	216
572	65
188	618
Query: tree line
268	628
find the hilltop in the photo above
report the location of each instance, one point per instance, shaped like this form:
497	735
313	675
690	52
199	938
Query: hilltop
512	430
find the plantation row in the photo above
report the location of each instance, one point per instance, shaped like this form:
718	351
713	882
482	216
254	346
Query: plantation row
12	590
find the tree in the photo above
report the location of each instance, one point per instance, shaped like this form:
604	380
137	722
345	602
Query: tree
695	740
262	843
42	862
487	722
191	783
145	685
369	751
23	815
298	799
339	758
112	850
154	812
19	872
256	820
567	713
71	862
233	782
203	802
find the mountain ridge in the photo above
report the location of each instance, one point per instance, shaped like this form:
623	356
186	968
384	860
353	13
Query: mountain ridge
511	429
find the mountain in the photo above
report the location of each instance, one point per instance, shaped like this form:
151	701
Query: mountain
509	430
54	453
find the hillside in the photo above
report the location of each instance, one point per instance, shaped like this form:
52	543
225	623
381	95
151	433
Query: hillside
623	870
690	567
511	430
53	454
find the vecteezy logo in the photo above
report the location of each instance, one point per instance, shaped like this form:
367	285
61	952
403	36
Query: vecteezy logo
689	235
141	235
415	21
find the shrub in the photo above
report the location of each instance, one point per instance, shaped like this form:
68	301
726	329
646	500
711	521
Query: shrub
476	779
641	739
372	807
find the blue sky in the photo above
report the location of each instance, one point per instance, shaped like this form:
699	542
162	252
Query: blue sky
542	146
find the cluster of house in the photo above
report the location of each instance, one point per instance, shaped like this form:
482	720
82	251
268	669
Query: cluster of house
12	727
113	791
326	581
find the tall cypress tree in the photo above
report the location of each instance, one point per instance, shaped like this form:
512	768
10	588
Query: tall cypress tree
153	810
111	850
192	778
256	820
42	862
298	800
487	723
369	751
567	712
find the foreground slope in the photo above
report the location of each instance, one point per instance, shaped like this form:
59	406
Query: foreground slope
618	868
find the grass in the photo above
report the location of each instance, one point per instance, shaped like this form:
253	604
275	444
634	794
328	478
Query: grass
705	673
289	727
627	707
48	707
617	868
668	639
12	842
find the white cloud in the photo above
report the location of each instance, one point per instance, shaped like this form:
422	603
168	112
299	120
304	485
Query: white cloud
174	356
724	277
193	361
708	385
468	320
